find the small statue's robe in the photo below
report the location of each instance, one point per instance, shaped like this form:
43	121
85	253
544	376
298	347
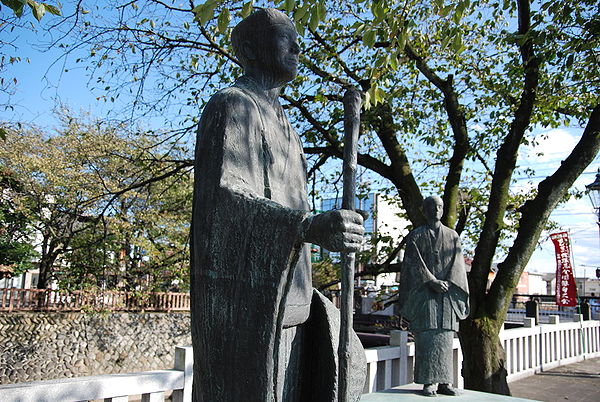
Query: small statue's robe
433	316
250	271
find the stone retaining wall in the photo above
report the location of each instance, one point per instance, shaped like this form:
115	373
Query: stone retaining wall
44	346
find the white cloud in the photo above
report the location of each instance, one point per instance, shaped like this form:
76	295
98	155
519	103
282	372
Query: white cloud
551	145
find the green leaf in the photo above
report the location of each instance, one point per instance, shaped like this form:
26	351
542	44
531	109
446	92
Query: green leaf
38	9
458	13
379	95
445	41
322	11
369	38
314	18
52	9
368	100
15	5
378	12
247	9
401	38
301	12
394	61
3	134
300	28
223	20
382	61
445	11
205	12
457	42
289	5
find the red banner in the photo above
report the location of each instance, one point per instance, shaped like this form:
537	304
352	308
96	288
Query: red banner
566	291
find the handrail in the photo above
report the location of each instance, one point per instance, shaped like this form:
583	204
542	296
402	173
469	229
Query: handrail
152	385
15	299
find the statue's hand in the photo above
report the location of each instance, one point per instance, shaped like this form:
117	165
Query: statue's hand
439	286
338	230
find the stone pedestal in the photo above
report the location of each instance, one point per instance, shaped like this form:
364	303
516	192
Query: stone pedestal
412	393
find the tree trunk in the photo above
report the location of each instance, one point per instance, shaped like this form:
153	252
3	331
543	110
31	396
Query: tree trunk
45	265
44	273
483	356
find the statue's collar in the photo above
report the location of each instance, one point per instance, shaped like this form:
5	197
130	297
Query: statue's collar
262	94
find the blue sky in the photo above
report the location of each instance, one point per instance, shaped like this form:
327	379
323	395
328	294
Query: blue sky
43	84
576	216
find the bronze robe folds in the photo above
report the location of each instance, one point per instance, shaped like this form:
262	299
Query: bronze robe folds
250	269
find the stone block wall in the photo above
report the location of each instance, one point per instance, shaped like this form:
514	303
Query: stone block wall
44	346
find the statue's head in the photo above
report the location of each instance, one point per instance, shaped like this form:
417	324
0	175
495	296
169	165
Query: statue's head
433	208
267	42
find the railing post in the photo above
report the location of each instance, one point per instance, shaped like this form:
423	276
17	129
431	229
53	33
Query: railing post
153	397
400	339
532	310
184	361
10	300
585	310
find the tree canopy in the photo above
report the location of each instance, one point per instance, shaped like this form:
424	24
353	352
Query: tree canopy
93	195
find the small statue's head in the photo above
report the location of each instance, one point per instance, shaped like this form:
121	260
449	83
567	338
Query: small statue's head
266	41
433	208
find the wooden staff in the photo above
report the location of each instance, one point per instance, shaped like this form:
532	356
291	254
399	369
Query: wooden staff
351	128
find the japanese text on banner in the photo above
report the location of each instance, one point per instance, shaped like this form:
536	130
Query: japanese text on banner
566	291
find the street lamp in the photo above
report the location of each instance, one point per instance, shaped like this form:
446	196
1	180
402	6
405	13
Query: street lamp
593	191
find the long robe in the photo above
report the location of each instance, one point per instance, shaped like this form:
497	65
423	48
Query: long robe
250	270
433	316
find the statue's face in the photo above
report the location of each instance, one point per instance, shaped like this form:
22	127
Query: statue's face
433	209
282	52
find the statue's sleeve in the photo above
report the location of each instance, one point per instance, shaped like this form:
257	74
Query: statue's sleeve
458	273
415	263
459	289
413	277
244	248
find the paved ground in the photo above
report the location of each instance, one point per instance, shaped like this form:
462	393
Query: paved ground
578	382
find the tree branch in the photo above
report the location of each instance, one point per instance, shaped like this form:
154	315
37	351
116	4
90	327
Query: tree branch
506	160
535	213
400	170
458	122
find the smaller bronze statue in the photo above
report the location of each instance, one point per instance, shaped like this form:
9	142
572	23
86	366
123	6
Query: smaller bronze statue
435	296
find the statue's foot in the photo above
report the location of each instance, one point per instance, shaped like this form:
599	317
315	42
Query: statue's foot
446	389
429	390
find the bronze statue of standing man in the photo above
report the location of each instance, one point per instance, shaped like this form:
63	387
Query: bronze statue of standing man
259	330
435	295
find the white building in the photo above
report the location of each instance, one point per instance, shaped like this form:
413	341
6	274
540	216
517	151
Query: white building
587	286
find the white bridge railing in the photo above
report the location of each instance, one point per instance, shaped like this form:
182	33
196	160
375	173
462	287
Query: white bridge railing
151	385
532	349
528	350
